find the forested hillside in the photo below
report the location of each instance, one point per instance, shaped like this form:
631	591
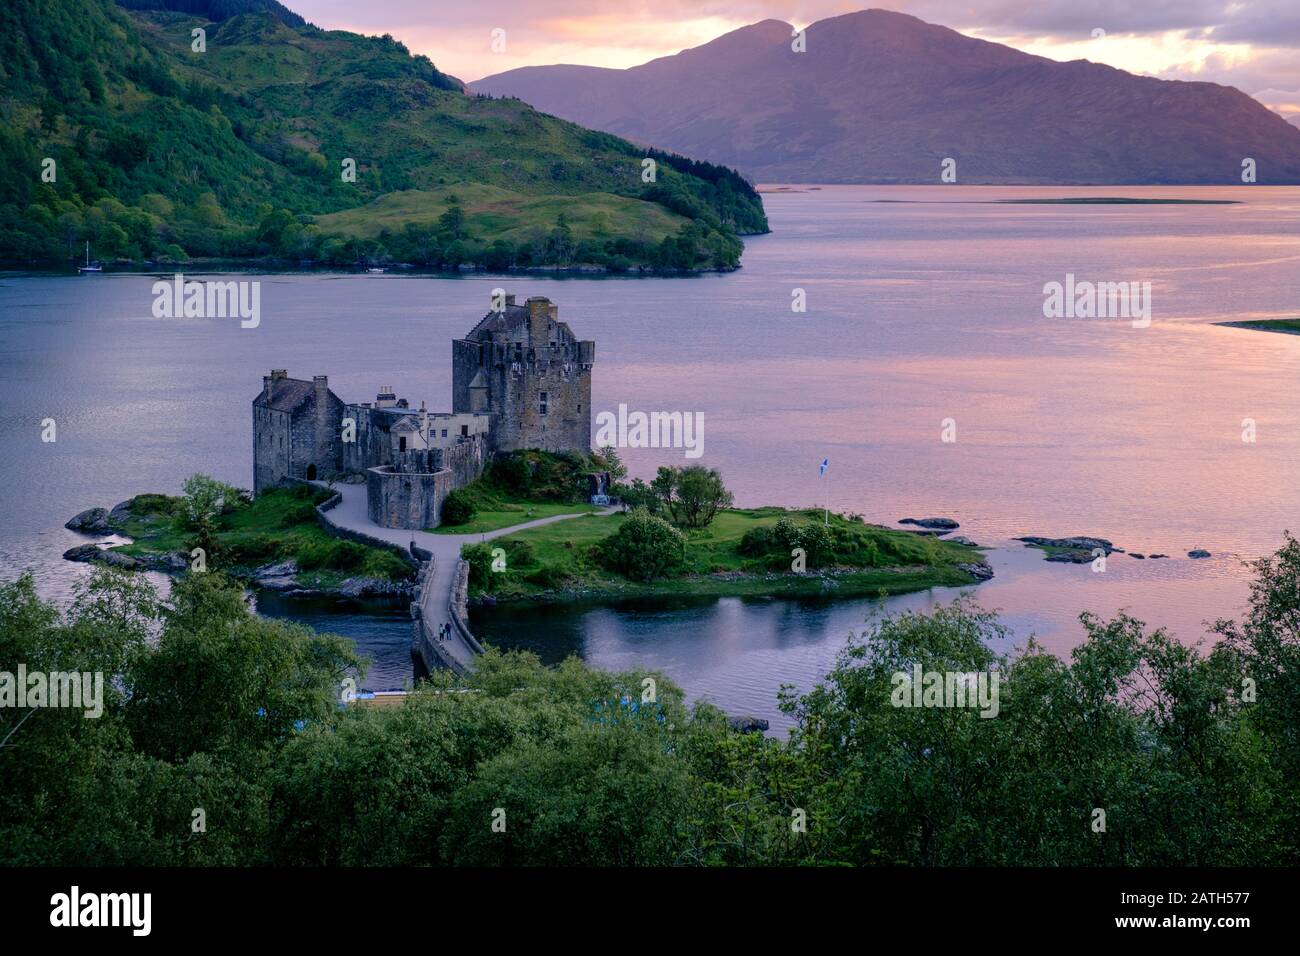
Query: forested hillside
164	152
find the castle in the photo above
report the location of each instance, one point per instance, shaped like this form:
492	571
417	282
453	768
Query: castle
520	379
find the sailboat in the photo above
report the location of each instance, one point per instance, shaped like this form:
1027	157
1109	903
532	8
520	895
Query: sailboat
90	266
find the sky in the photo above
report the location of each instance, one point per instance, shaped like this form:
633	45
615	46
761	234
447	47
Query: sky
1253	45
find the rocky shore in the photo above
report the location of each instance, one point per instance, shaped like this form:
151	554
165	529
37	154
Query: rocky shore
1082	549
284	577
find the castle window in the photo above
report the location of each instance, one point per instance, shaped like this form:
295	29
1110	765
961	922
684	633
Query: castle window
464	430
401	443
542	403
444	433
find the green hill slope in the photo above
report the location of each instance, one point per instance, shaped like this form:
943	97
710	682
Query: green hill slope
239	151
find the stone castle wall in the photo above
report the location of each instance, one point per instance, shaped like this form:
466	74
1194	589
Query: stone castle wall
272	441
410	493
519	420
465	459
399	499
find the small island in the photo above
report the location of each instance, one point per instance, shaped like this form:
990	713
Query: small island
1286	326
678	535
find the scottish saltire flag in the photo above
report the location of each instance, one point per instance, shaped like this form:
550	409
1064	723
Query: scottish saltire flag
826	463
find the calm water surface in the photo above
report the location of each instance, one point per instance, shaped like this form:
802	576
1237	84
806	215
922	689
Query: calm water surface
916	312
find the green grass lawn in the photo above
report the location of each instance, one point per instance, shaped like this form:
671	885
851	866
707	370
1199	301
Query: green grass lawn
510	514
500	213
279	525
714	565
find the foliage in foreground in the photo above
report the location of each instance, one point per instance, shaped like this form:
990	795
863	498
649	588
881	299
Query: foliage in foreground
1192	756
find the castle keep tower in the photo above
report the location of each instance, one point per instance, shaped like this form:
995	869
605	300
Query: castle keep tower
526	369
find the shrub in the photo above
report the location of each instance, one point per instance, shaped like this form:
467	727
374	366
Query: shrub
149	504
457	508
298	512
820	545
758	542
332	555
549	576
643	548
518	552
638	495
481	575
384	565
252	549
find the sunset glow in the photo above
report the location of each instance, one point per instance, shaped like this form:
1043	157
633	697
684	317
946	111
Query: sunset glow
1250	45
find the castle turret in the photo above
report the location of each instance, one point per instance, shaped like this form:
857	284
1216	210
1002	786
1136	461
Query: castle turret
526	369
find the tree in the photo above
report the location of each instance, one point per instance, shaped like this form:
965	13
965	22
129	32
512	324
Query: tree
452	221
203	501
613	464
457	507
693	495
644	547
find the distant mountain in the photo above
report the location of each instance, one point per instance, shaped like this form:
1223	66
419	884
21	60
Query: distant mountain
114	130
882	97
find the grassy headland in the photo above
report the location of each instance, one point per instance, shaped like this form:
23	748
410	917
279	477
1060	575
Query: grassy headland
562	561
240	151
1289	326
278	526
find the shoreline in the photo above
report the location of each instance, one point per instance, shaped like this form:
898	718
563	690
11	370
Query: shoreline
844	584
1288	326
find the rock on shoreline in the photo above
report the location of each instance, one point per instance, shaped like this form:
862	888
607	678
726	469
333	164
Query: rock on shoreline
90	521
934	524
1076	550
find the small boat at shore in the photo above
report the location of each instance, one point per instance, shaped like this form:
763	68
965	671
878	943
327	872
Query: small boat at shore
90	266
376	270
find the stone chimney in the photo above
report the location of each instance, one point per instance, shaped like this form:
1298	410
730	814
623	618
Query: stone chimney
267	380
322	383
540	312
510	298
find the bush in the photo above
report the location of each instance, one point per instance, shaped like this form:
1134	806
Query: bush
821	546
252	550
643	548
542	476
150	504
384	565
550	576
457	508
638	495
518	552
758	542
299	512
481	575
333	556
